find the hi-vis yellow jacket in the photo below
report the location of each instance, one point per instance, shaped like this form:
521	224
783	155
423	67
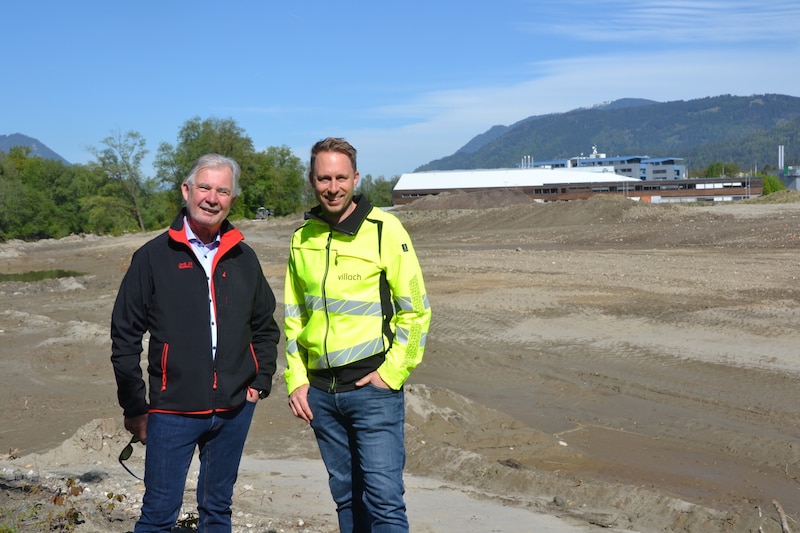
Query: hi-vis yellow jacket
355	301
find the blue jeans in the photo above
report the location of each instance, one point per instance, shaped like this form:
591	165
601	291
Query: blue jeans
171	441
360	436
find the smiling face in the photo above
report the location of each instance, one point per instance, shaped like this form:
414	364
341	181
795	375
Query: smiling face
334	182
209	198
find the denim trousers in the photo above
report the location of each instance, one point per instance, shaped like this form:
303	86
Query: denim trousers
171	441
360	436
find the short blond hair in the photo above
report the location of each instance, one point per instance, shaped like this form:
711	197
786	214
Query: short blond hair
332	144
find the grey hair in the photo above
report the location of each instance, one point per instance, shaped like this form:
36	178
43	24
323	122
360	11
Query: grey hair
216	161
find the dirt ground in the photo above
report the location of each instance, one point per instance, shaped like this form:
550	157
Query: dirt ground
624	366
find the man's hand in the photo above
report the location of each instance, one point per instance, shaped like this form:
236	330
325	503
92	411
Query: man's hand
252	395
374	378
298	401
138	426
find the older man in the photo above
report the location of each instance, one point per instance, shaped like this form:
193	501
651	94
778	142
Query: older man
201	294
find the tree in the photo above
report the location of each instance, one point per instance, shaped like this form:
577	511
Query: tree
40	198
25	209
196	138
272	178
772	184
378	191
121	160
107	214
720	169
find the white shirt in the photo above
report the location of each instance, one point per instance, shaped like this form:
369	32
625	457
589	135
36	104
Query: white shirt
205	255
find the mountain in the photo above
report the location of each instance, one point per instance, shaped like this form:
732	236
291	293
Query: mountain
38	149
746	130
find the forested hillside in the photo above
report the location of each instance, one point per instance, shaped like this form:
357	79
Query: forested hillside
742	129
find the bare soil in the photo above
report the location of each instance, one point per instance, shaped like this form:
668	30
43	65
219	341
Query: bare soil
622	365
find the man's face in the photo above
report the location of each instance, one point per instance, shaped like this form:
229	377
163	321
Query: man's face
210	198
334	183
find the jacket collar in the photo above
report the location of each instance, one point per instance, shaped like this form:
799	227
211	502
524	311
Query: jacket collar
352	223
229	236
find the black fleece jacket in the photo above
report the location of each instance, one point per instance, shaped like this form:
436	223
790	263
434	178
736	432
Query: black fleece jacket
165	293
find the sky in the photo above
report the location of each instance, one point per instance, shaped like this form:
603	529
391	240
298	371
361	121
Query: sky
405	82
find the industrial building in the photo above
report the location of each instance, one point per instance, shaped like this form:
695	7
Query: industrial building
640	178
641	167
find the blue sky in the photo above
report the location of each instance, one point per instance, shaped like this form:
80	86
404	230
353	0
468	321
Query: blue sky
406	82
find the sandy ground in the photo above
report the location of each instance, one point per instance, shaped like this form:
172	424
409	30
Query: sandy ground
594	365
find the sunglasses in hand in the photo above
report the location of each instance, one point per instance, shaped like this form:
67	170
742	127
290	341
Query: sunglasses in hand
126	453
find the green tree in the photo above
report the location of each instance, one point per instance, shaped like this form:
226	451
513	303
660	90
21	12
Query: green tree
378	191
121	160
199	137
108	214
274	179
37	197
160	208
720	169
772	184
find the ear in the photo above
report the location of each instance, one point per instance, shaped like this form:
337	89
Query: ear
185	191
355	180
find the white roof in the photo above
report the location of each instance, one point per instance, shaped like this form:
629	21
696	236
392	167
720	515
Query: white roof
506	177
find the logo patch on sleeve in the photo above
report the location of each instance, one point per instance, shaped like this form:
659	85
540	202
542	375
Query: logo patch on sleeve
405	247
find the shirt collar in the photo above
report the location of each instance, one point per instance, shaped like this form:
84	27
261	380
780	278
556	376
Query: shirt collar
195	240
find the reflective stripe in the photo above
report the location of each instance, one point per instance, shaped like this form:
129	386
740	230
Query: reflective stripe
291	345
293	311
315	303
402	335
407	303
344	307
348	355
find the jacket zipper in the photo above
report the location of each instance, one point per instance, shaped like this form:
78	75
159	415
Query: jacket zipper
164	358
332	386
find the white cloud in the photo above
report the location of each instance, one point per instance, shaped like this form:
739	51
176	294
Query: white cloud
679	22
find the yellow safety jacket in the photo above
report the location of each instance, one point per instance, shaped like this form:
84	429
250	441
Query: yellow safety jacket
355	301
